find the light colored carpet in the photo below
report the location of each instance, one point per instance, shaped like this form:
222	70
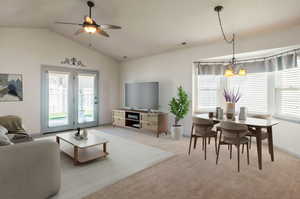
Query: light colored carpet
191	177
126	158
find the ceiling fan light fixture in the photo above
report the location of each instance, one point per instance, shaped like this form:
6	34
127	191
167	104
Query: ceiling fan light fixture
90	29
89	24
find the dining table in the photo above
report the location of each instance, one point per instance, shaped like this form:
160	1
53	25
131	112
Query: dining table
258	124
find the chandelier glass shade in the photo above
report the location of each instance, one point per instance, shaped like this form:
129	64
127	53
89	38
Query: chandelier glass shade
229	72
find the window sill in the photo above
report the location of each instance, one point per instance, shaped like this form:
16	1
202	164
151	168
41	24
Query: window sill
287	118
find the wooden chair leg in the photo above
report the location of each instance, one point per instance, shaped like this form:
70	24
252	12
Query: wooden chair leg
230	146
243	148
238	156
248	159
195	141
191	139
190	145
218	151
250	142
202	143
216	144
208	140
204	139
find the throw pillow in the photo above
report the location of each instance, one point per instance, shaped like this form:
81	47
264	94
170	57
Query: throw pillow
3	130
4	140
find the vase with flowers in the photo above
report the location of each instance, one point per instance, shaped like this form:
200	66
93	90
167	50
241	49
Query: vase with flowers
231	98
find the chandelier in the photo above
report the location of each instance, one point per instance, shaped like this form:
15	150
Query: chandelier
231	68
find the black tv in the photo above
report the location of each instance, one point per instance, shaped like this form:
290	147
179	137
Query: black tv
143	95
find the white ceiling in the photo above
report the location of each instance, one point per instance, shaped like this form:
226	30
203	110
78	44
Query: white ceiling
152	26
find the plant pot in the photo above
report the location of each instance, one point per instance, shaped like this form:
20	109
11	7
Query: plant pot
230	110
176	132
230	107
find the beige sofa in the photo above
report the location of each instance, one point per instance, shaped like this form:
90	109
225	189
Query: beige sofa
30	170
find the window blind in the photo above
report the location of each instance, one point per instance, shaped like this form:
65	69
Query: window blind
254	91
208	88
288	93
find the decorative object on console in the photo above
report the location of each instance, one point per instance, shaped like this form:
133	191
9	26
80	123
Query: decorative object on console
179	107
11	87
231	98
73	61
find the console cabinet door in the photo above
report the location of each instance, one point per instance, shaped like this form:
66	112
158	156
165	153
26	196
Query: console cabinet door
119	122
119	114
118	118
151	126
149	117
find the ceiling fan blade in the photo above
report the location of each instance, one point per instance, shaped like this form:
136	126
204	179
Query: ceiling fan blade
102	32
81	30
59	22
108	26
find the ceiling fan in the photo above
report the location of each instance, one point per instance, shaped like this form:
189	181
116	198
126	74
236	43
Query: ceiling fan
89	25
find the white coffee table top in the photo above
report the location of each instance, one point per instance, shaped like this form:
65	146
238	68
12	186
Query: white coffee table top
92	140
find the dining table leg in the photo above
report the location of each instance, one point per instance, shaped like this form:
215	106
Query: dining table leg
259	147
270	143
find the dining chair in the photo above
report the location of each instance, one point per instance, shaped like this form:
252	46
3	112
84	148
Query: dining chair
233	134
252	131
202	128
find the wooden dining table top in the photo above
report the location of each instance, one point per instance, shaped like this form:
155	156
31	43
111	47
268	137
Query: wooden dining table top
250	121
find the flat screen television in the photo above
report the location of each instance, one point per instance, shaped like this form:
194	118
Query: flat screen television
142	95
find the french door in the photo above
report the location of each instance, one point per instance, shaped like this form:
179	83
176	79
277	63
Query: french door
69	98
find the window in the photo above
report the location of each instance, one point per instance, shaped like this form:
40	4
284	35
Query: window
276	93
288	93
208	91
254	91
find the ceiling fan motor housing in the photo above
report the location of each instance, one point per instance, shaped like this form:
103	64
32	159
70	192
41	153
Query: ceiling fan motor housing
90	4
219	8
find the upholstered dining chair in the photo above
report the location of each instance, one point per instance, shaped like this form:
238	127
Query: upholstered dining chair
233	134
252	130
202	128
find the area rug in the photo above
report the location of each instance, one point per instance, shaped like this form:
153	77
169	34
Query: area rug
125	158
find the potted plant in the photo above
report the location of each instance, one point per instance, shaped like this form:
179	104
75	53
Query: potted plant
179	107
231	98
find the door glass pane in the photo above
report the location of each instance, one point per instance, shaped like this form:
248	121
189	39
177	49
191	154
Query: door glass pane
58	99
86	96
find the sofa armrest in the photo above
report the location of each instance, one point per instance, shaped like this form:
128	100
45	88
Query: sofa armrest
30	170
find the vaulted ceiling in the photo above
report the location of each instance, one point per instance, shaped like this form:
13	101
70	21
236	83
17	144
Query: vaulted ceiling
152	26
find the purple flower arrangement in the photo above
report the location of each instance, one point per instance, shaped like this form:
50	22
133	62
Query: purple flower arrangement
232	96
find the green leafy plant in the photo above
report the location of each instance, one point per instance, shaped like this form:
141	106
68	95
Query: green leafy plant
179	106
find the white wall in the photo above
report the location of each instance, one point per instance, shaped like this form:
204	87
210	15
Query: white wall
23	51
175	68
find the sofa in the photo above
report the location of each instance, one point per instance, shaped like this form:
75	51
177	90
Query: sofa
30	170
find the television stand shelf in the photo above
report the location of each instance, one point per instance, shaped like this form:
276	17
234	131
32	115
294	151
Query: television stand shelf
156	122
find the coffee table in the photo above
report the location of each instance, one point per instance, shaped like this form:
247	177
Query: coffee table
82	151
